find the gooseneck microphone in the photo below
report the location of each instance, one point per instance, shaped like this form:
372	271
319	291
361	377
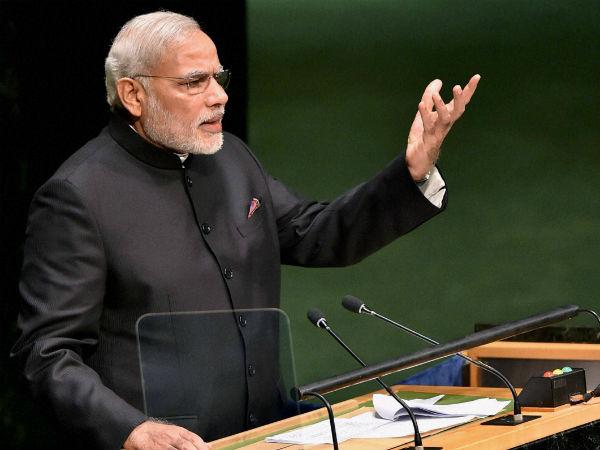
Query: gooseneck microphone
355	305
318	319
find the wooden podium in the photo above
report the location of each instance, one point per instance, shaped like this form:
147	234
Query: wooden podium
472	435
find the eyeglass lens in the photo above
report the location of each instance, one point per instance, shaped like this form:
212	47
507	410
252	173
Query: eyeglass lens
222	77
200	84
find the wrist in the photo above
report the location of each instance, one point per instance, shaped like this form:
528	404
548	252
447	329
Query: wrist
132	440
420	169
425	177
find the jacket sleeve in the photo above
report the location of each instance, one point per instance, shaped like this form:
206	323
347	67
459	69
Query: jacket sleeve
355	224
62	287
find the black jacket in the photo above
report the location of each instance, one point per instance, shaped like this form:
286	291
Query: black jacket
124	228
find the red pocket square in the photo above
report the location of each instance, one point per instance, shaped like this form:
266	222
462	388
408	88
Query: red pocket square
254	205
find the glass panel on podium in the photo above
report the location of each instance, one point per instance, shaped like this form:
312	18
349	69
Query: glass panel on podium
217	373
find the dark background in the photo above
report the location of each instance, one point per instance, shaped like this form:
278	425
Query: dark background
332	87
52	102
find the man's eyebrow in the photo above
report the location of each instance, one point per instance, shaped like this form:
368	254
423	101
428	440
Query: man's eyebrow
199	73
195	74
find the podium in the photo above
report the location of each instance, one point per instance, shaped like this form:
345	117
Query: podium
198	370
573	424
518	360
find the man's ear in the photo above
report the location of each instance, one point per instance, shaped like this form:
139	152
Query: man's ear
131	92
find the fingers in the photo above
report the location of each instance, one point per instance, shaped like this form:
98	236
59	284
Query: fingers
432	123
461	97
427	116
184	444
152	435
194	440
470	88
432	88
443	113
457	105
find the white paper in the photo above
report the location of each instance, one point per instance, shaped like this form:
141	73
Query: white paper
320	433
363	426
390	420
388	408
404	427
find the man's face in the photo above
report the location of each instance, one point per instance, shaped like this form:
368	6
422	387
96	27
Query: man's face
173	118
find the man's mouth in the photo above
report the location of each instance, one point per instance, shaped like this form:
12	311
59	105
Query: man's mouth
212	124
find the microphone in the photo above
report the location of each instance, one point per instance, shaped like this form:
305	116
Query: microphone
317	318
428	354
355	305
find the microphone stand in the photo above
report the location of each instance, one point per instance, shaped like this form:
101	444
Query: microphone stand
353	304
419	357
318	319
593	313
331	417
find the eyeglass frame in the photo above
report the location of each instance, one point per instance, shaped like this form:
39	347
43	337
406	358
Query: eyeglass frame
196	77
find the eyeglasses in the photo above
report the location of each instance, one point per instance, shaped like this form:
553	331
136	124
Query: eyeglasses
197	83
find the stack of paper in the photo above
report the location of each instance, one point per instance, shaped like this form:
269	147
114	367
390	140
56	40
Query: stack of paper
388	408
390	420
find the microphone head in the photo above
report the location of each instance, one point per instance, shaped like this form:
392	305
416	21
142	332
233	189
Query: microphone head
352	304
316	317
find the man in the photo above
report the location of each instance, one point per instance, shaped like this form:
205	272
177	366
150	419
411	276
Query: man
163	212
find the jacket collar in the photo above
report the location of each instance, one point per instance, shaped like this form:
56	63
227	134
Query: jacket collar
140	148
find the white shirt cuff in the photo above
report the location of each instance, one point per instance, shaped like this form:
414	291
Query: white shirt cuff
434	189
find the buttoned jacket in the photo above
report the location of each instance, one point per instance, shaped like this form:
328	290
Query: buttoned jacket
124	229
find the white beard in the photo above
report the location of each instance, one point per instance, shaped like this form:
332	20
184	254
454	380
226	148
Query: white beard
168	130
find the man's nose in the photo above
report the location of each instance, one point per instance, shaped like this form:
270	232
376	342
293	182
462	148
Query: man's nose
215	94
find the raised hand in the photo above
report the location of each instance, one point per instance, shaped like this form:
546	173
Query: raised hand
432	123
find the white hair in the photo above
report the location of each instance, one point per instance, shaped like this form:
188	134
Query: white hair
139	46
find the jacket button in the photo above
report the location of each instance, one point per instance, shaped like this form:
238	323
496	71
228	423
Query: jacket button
205	228
189	181
228	273
243	321
251	370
